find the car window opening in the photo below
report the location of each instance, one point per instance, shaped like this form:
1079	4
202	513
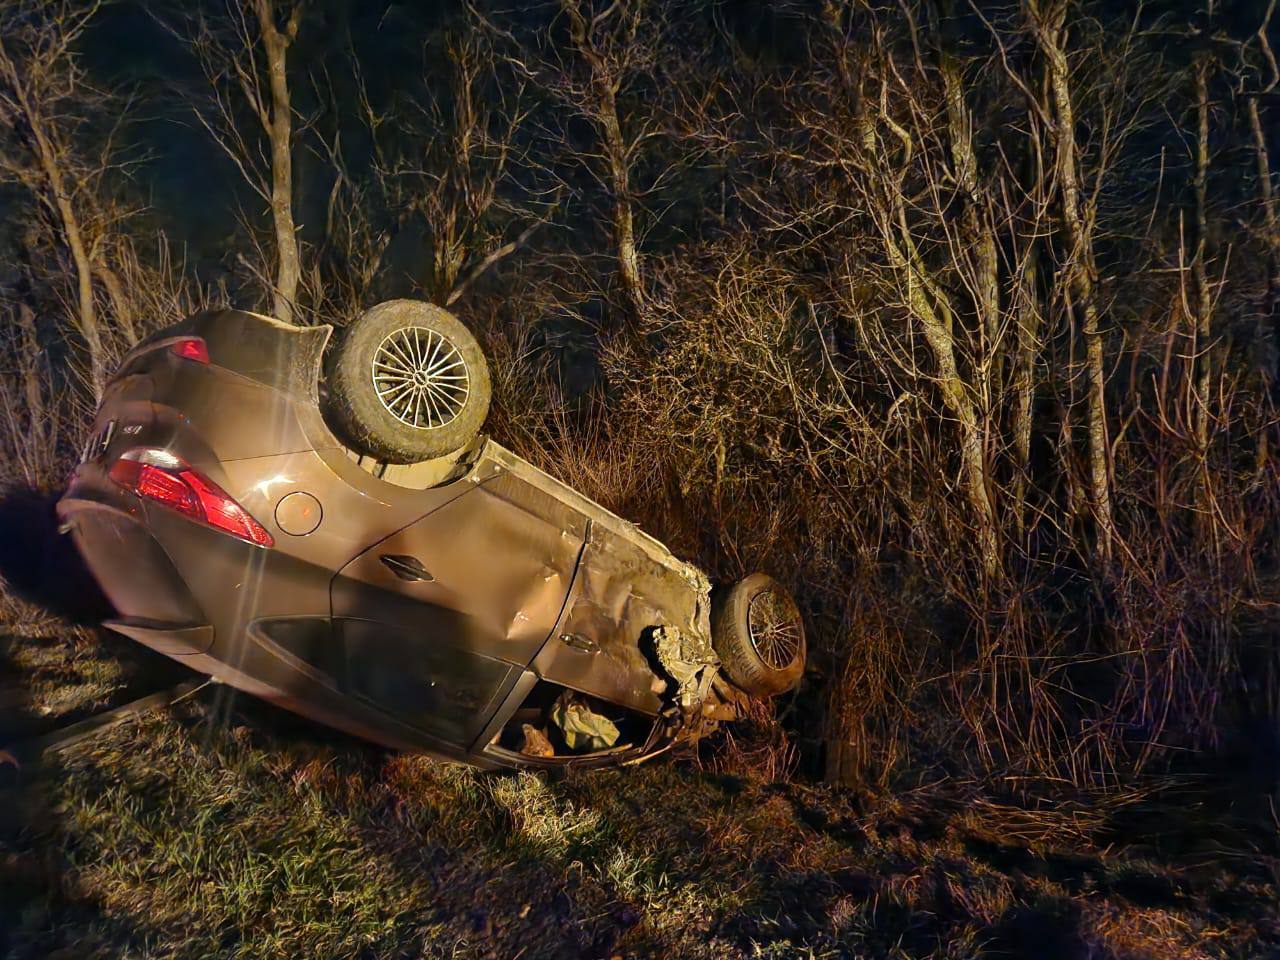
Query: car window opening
554	721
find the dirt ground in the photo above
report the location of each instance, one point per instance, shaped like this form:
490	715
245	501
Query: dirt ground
222	827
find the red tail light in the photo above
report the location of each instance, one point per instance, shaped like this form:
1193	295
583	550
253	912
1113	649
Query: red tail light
191	348
160	476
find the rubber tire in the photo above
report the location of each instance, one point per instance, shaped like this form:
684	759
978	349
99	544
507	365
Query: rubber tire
731	637
358	415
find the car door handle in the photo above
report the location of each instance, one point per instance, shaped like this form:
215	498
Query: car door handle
579	642
406	567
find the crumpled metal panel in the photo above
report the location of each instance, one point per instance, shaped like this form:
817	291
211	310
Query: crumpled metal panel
688	659
628	585
620	598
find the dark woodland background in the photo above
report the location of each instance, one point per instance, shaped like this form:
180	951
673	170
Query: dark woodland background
961	318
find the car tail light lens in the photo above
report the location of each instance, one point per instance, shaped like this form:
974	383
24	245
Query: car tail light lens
159	476
190	348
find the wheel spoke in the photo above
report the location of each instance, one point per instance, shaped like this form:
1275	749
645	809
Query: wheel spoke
403	399
774	626
419	402
438	395
449	361
448	385
391	364
395	394
428	361
429	401
393	377
400	350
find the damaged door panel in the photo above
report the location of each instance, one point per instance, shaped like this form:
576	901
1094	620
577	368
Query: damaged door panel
487	572
620	599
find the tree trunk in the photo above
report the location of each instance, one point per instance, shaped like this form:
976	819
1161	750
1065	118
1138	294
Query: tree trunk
604	85
986	280
624	236
451	219
1081	269
119	300
88	315
1268	326
986	373
929	306
1028	345
56	184
56	195
280	132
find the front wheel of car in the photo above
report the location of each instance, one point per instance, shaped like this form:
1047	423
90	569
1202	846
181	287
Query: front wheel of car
409	383
758	634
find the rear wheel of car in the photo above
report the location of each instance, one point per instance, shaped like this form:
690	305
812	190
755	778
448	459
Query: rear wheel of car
409	383
759	636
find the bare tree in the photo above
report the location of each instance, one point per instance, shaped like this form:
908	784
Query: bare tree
278	123
248	54
607	42
1268	327
453	161
41	90
1203	309
898	168
1028	313
977	227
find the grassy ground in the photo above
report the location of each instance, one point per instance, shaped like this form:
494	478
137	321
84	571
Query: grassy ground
229	829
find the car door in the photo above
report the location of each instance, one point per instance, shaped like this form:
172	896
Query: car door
435	622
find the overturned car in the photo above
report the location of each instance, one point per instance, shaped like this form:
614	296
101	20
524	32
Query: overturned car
369	559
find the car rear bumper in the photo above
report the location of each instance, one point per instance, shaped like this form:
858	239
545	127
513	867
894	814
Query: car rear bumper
134	571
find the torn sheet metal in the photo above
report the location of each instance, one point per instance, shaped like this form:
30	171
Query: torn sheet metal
690	661
627	585
620	596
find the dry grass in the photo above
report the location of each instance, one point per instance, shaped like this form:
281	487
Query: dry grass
177	836
173	837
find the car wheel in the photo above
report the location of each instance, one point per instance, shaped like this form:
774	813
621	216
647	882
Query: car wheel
409	382
759	636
